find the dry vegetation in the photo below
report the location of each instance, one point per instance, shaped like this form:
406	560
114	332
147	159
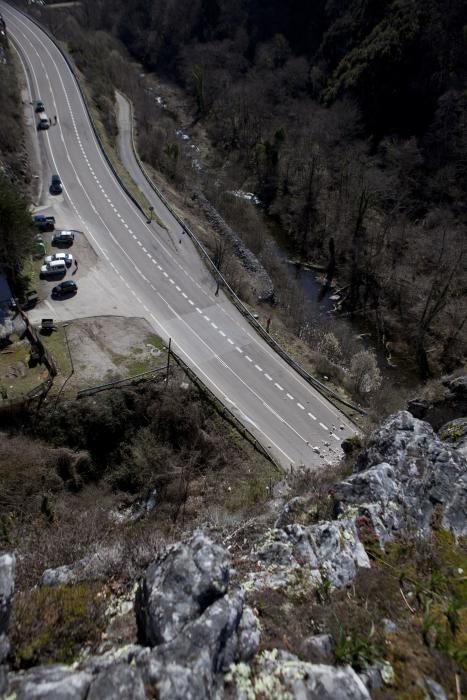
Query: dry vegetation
76	461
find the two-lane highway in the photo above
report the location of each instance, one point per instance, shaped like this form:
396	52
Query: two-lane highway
169	283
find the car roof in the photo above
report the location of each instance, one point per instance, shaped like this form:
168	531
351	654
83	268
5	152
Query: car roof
55	177
67	283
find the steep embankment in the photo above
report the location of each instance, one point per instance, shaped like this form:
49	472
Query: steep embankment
354	588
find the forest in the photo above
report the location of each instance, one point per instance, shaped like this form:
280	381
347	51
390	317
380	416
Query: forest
347	119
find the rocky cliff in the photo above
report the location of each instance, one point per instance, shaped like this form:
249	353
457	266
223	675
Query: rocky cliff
203	613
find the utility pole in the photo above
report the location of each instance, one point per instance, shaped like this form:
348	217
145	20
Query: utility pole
151	211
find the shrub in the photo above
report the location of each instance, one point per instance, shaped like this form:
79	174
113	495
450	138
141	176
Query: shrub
357	650
365	373
52	624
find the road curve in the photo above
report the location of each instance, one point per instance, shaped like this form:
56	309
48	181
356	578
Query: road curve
167	281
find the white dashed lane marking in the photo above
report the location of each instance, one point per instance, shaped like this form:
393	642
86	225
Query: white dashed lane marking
312	416
324	426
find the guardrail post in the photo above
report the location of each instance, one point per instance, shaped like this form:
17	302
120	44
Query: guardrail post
168	362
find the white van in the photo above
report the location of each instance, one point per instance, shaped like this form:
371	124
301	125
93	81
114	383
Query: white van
54	268
44	122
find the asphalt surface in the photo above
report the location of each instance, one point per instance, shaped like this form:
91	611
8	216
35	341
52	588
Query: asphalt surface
165	281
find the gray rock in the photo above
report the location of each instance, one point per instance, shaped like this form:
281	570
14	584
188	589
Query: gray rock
49	683
371	677
248	259
389	626
189	665
279	674
137	510
319	649
402	475
7	588
95	567
179	587
100	662
447	404
63	575
330	550
248	635
454	434
196	626
458	386
434	690
120	682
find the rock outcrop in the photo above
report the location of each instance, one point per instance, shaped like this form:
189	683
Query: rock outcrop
265	287
328	551
7	588
177	589
445	405
278	674
404	478
195	621
198	640
454	434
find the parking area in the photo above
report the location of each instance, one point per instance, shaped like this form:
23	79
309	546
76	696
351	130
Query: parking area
99	290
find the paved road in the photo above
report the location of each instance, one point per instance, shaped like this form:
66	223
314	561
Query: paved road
167	283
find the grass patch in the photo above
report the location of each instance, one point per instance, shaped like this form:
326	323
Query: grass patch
56	345
248	492
52	624
16	376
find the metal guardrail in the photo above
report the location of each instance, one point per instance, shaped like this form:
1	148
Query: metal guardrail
319	386
226	413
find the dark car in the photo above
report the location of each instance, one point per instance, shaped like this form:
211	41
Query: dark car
44	223
55	185
66	288
40	107
63	238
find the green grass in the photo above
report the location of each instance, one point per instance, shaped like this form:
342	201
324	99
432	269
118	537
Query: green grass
249	492
17	355
51	624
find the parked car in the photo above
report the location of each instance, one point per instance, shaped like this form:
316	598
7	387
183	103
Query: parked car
55	185
66	257
44	223
55	268
66	288
63	238
40	107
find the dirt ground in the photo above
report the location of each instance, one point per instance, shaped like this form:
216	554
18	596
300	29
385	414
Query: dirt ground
107	348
